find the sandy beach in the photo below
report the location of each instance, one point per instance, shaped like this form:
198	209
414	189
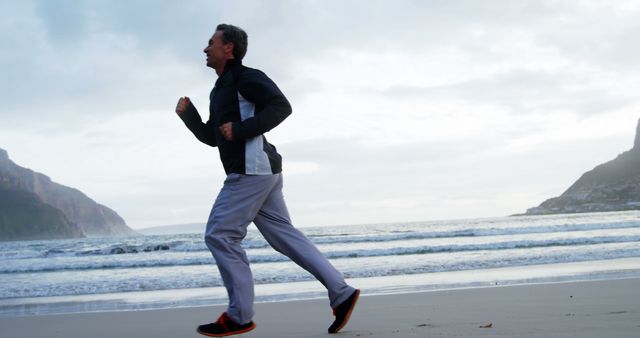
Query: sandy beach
609	308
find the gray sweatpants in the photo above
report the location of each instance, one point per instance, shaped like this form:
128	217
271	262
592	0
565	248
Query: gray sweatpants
258	199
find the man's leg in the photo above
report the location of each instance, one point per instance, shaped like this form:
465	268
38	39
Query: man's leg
274	223
237	204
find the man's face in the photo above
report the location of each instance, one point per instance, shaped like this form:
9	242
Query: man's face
218	52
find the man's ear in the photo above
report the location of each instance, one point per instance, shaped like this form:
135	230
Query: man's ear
229	47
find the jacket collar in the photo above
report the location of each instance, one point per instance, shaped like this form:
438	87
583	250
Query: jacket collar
231	64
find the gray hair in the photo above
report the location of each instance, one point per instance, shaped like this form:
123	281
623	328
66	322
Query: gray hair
237	36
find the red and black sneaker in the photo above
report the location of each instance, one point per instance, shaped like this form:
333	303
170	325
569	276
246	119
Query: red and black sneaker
343	312
225	326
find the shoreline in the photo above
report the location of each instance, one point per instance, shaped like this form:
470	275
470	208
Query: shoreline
606	308
613	269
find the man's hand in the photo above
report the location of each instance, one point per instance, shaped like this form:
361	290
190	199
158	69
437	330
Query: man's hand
183	103
227	131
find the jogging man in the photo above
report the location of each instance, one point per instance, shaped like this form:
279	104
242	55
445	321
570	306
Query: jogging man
244	105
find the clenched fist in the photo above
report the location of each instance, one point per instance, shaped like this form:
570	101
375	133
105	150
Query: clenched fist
227	131
182	105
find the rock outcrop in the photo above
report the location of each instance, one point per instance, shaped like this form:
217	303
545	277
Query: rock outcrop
85	216
612	186
23	216
636	143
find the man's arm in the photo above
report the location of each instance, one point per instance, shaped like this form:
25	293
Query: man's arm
189	115
256	87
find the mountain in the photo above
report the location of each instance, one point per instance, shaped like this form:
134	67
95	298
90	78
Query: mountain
34	207
612	186
24	216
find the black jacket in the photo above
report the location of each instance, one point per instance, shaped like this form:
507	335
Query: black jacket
254	104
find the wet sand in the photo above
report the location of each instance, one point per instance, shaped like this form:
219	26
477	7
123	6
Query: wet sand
608	308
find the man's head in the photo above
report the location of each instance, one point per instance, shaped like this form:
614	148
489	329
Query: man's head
228	42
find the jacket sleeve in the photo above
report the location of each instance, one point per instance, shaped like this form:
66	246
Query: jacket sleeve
272	107
205	132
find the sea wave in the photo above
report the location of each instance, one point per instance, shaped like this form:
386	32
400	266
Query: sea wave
195	243
68	263
291	273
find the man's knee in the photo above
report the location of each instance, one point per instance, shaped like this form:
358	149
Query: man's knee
217	237
215	240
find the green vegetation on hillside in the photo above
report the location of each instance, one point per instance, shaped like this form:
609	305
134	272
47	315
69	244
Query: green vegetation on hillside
23	216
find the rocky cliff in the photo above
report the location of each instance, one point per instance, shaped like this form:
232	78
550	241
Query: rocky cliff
24	216
88	217
612	186
636	143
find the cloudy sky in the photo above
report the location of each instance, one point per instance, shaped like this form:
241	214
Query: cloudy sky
403	110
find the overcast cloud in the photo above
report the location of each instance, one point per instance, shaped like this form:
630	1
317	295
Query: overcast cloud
403	110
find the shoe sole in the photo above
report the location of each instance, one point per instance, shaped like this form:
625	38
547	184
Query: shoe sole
348	316
227	333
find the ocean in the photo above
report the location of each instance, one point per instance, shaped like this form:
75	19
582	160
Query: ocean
164	271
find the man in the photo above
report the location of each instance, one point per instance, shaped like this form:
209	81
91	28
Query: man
245	104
